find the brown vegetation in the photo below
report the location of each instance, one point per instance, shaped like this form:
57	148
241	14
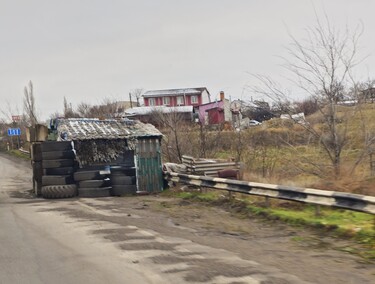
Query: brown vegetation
284	152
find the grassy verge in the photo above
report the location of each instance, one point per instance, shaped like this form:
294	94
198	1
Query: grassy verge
19	154
357	226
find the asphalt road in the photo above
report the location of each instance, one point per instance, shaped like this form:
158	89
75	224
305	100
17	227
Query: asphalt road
120	240
37	248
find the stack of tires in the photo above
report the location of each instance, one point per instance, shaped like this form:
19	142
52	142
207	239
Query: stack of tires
58	160
91	183
36	163
123	181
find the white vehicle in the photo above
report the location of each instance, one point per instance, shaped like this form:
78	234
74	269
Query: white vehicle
254	122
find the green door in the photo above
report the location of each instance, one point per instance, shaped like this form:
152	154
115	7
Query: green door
149	167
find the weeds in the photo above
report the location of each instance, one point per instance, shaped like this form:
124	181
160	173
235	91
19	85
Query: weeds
19	154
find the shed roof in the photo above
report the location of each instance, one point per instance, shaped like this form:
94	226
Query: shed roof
92	128
175	92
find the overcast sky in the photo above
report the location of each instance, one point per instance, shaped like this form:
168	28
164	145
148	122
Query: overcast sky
88	50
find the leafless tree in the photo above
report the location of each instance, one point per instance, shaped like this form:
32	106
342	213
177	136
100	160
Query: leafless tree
321	65
68	110
172	123
137	94
8	111
363	91
83	109
109	108
29	105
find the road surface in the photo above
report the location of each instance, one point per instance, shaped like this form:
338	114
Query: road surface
153	240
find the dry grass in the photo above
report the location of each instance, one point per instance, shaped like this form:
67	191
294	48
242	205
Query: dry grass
288	155
282	152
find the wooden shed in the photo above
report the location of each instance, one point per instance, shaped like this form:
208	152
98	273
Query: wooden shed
116	143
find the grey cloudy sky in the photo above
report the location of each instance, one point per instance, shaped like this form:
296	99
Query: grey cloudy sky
87	50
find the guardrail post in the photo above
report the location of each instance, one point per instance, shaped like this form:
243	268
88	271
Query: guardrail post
230	194
267	202
317	211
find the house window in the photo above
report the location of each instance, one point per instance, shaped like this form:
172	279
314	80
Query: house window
166	101
194	99
151	101
180	100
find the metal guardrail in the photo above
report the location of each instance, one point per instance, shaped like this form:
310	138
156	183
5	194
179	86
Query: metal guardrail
24	151
349	201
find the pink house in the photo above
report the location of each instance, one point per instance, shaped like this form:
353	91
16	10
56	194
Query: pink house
177	97
215	112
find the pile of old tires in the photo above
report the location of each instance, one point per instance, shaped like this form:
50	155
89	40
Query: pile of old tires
36	164
123	181
91	183
58	159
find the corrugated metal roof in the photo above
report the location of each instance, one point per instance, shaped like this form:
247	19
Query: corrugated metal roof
92	128
175	92
163	109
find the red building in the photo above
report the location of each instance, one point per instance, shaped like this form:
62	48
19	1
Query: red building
177	97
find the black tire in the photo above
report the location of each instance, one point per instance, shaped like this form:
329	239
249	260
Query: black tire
48	146
37	170
48	164
122	180
92	183
59	171
37	186
53	155
36	152
59	191
57	180
94	192
91	168
87	175
120	190
122	171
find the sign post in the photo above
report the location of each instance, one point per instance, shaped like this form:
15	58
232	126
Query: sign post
14	132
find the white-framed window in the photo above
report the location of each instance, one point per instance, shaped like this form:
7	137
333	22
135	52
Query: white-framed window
166	101
194	99
180	100
151	102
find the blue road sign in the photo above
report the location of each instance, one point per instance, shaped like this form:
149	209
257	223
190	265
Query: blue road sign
14	131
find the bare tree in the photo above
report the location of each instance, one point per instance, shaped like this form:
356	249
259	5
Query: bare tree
29	105
172	122
108	108
321	66
137	93
8	111
68	110
83	109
